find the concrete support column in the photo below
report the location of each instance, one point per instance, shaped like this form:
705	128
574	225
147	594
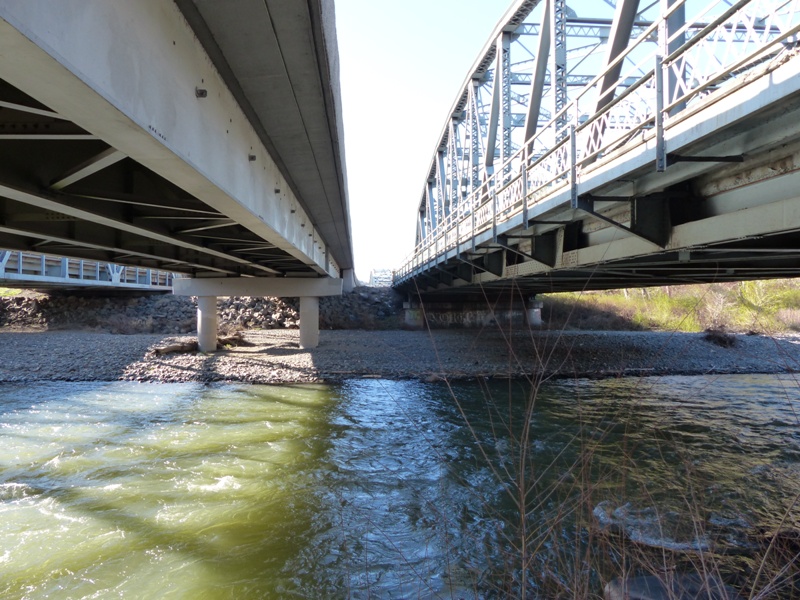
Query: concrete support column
414	317
309	321
207	289
207	323
533	311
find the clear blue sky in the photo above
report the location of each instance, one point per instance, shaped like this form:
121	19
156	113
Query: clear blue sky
402	64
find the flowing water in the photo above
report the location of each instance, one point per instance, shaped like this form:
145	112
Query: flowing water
384	489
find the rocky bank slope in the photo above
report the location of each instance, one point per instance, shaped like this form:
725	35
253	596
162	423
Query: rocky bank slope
364	308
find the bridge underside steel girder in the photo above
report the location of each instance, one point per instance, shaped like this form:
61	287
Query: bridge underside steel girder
764	246
712	194
120	141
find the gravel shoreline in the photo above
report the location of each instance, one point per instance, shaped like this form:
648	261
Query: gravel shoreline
275	357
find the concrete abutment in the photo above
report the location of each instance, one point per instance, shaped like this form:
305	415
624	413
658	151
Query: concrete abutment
443	315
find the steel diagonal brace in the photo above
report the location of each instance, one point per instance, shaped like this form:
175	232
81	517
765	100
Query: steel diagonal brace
651	224
61	204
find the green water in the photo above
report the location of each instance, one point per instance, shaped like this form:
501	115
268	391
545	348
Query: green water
380	489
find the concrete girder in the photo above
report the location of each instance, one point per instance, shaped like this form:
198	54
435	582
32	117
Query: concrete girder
93	165
295	98
29	109
54	203
18	239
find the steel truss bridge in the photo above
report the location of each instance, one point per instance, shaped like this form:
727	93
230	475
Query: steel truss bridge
630	143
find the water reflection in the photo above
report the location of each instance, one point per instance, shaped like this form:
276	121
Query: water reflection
380	488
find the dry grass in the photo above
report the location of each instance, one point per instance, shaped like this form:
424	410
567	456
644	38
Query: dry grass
767	307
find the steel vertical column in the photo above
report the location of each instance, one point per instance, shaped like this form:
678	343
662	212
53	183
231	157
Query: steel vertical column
661	150
430	207
494	117
503	79
573	166
455	179
671	38
441	194
475	138
558	63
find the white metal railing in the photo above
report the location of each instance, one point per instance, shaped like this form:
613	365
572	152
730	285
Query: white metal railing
732	43
33	267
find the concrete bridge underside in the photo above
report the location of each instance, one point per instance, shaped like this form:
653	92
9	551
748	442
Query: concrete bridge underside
193	136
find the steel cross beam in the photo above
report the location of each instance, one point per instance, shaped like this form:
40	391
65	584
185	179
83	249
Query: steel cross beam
59	206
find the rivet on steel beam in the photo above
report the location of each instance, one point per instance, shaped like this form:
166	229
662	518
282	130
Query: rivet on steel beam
200	92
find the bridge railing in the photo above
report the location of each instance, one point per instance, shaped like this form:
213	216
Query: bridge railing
717	49
44	269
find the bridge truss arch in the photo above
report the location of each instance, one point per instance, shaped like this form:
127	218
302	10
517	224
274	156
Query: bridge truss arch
560	99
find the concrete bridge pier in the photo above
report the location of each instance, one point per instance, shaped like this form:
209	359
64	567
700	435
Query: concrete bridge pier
207	323
208	290
309	321
503	312
533	312
414	316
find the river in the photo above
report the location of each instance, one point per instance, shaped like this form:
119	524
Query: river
394	489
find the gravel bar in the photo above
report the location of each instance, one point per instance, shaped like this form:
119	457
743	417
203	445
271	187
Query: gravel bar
275	356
